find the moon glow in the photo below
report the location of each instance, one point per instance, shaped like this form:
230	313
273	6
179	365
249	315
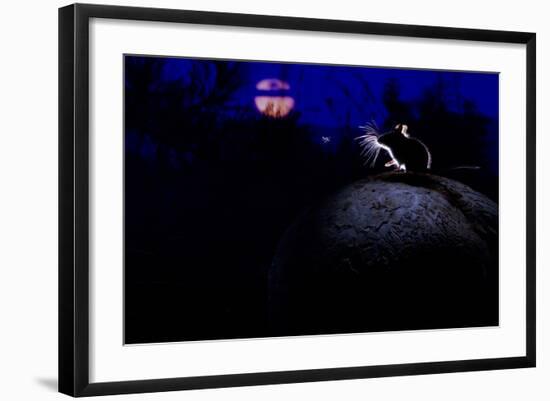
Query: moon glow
274	106
273	101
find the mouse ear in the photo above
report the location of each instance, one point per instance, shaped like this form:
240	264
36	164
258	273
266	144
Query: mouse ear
404	129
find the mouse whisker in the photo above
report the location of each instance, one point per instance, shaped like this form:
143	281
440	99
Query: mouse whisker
370	148
375	157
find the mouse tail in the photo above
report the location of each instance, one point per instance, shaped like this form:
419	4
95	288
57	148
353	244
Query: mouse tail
464	168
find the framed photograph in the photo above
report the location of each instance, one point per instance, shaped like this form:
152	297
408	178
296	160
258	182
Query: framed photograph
249	199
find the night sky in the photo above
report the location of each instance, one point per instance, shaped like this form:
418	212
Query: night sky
207	170
314	86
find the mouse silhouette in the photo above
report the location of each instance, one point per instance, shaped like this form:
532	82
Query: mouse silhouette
407	153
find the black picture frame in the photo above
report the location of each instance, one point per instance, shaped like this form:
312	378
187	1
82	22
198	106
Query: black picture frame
74	199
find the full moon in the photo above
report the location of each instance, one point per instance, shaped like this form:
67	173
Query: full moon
273	100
